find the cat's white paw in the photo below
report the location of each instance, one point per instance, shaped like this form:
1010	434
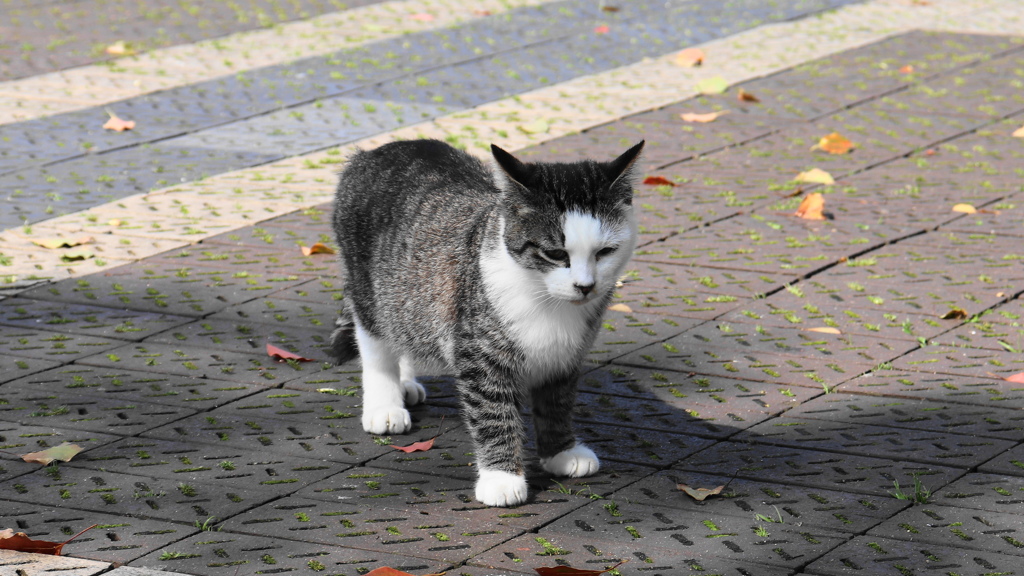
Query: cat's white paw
415	393
386	420
575	462
500	488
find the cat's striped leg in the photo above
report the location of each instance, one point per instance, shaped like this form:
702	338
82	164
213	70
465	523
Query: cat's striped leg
383	393
560	453
415	393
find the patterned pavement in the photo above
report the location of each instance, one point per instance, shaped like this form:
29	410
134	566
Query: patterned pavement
813	367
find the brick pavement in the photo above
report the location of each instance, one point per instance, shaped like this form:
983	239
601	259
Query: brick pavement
714	376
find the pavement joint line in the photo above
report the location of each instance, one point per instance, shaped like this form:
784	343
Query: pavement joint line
635	88
164	68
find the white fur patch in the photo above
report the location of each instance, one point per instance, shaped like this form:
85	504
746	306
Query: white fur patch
500	488
383	394
575	462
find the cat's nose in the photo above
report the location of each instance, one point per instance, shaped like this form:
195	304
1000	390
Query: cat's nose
584	288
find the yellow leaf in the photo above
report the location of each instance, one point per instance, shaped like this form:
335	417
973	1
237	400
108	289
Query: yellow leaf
536	127
815	176
835	143
54	243
702	118
80	254
715	85
63	452
119	48
620	308
1018	133
825	330
812	207
690	57
965	208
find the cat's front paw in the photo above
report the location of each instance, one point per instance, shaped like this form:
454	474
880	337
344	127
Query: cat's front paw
500	488
415	393
575	462
386	420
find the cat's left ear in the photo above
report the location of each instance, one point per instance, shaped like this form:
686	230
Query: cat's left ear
620	170
509	172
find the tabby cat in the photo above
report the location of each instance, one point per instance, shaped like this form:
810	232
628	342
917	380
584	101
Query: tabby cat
498	274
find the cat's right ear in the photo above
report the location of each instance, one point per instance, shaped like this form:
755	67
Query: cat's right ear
509	172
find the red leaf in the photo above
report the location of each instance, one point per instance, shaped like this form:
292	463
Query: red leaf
281	354
601	30
658	181
416	446
570	571
117	124
20	542
389	571
1017	378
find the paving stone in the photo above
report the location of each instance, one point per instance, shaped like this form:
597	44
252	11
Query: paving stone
943	387
452	453
279	311
795	506
1004	218
36	564
130	571
623	332
272	263
248	337
16	439
129	495
115	539
826	470
871	556
945	526
712	535
1010	462
589	552
675	303
46	345
878	441
983	334
84	319
644	275
210	554
282	239
12	368
196	362
323	290
648	447
451	530
190	462
993	492
184	392
975	362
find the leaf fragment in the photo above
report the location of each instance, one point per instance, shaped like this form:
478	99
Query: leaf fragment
64	452
700	494
389	571
117	124
535	127
713	85
282	355
690	57
570	571
416	446
318	248
1018	133
812	207
55	243
601	30
815	176
422	17
119	48
908	69
965	208
744	96
702	118
954	314
835	143
1017	378
620	308
80	254
658	181
20	542
825	330
610	8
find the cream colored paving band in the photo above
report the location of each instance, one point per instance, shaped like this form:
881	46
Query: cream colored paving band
100	84
146	224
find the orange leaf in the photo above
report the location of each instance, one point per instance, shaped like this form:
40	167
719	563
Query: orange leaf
416	446
318	248
658	181
825	330
1017	378
835	143
744	96
690	57
422	17
601	30
1018	133
812	207
64	452
699	494
610	8
702	118
620	308
954	314
54	243
908	69
965	208
117	124
20	542
282	355
570	571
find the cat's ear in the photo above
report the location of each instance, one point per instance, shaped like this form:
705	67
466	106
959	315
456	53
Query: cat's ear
620	170
509	172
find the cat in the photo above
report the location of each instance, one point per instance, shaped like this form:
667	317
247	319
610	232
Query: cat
499	273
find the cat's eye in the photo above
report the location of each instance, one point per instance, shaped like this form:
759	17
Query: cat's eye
556	255
606	251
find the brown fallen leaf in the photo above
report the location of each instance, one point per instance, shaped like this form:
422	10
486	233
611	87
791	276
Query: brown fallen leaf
620	308
690	57
658	181
954	314
1018	133
610	8
20	542
389	571
318	248
570	571
908	69
64	452
834	143
699	494
812	207
117	124
55	243
702	118
1017	378
282	355
825	330
416	446
744	96
965	208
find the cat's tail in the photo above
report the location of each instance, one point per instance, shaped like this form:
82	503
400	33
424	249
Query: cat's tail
343	339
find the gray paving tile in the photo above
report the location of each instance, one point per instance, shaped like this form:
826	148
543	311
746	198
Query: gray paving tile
993	492
248	337
871	556
83	319
56	346
33	564
16	439
12	368
1010	462
975	362
961	389
945	526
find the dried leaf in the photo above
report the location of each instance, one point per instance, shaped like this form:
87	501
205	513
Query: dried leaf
835	143
954	314
812	207
908	69
318	248
825	330
389	571
1018	133
63	452
620	308
570	571
20	542
815	176
930	152
965	208
699	494
536	127
114	222
610	8
715	85
55	243
744	96
690	57
658	181
120	48
80	254
702	118
117	124
1017	378
601	30
422	17
416	446
282	355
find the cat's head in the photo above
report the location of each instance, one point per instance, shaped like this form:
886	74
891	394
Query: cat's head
572	225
